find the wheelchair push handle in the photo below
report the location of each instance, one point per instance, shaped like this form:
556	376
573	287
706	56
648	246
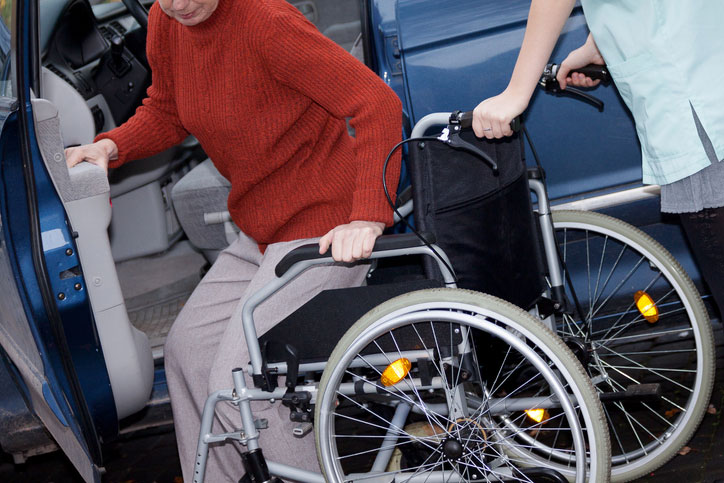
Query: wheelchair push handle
549	82
594	71
465	120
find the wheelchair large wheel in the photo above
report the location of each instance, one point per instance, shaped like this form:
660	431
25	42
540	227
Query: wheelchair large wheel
454	385
655	365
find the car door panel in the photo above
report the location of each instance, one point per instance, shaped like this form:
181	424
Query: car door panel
84	192
32	339
48	332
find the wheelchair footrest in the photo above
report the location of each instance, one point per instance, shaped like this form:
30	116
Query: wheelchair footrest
302	429
634	392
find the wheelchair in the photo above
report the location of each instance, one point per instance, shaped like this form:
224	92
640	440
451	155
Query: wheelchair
439	383
618	299
434	383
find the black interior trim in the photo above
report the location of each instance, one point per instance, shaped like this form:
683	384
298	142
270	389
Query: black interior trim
368	47
77	38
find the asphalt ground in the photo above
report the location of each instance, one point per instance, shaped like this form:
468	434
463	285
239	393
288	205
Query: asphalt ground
150	456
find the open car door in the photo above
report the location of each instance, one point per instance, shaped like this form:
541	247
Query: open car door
47	331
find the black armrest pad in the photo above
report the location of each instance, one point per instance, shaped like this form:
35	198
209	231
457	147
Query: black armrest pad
383	243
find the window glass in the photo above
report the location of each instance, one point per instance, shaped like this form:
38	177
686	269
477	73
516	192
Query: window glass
6	12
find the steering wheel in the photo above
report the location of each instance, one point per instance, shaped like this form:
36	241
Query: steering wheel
138	12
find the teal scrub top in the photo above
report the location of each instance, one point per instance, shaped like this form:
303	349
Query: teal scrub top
667	59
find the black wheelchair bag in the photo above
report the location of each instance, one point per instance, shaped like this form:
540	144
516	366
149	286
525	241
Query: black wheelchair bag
483	222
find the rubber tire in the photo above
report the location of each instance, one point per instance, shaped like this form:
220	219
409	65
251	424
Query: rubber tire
529	325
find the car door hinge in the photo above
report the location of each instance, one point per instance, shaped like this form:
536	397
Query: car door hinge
393	54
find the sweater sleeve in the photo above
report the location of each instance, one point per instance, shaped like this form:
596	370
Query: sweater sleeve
155	126
299	56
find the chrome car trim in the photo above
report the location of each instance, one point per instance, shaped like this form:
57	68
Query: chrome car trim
611	199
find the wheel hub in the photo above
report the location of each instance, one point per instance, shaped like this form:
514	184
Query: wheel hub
452	449
470	439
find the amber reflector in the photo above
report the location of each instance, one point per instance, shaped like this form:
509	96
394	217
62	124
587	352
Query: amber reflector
537	415
395	372
646	306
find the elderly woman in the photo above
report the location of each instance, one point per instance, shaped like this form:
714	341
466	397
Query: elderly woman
267	97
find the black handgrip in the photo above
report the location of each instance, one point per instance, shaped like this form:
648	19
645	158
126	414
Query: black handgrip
549	82
465	119
382	243
595	71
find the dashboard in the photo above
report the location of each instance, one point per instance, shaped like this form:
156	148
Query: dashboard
99	51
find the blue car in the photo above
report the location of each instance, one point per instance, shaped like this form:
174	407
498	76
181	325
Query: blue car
94	268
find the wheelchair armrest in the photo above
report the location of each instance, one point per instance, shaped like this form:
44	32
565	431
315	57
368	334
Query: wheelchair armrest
383	243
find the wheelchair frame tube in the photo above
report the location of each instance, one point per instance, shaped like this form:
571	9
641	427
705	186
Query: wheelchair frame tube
247	319
547	231
450	476
291	473
374	359
247	418
432	119
390	439
207	419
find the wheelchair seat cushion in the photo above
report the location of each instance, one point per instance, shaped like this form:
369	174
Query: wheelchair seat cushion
316	327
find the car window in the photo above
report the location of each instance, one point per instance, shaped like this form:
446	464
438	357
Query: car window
6	12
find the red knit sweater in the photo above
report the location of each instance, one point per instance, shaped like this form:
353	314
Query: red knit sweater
267	96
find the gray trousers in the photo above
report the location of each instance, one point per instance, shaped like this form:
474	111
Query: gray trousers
207	341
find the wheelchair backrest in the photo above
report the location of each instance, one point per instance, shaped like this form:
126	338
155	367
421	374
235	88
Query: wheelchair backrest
483	222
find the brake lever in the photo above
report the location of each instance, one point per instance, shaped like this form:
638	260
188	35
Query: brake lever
594	101
460	120
550	84
451	136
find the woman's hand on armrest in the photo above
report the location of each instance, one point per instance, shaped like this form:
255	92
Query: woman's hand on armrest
352	241
98	153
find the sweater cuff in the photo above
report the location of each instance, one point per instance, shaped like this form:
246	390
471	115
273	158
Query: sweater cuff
371	205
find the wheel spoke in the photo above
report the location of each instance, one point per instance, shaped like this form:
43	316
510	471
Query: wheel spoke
653	370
